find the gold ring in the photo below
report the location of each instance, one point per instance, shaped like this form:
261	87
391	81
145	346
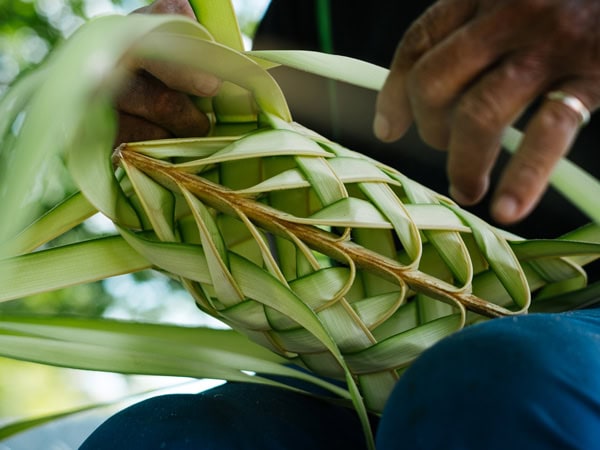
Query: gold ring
573	103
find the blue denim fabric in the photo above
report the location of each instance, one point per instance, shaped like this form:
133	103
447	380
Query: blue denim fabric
529	382
231	416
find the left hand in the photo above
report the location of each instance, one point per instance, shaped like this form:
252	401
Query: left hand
155	102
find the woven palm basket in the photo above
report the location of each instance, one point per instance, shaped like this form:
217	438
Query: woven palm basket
360	271
315	251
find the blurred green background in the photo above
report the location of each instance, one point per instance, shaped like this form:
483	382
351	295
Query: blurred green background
29	30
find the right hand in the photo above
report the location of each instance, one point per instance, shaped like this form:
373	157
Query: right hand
467	69
154	102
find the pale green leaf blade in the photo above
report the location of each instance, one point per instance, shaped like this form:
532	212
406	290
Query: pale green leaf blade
63	217
135	357
359	170
390	206
220	20
289	179
142	348
374	310
547	248
267	256
178	147
337	67
323	286
429	309
500	257
15	100
455	254
158	203
448	242
350	212
328	187
259	145
400	350
215	251
262	287
184	260
586	233
92	169
69	265
14	428
586	297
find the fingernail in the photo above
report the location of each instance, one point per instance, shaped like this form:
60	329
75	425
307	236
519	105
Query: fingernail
505	208
207	85
381	127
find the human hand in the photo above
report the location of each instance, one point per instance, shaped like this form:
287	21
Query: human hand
154	102
467	69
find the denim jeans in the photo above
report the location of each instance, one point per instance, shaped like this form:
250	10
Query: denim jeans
528	382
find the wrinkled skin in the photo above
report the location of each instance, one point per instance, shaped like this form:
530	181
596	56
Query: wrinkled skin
154	102
467	69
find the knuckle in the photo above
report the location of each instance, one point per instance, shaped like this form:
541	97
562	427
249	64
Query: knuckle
532	166
558	117
480	109
175	112
532	170
529	67
167	105
426	89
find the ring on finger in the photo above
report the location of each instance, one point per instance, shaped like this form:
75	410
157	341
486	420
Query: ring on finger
572	103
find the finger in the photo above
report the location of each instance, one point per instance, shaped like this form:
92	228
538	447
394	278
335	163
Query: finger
480	118
439	79
177	77
135	129
182	78
393	111
146	97
446	72
181	7
547	138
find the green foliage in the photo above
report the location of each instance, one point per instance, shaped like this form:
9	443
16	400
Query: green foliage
88	300
30	29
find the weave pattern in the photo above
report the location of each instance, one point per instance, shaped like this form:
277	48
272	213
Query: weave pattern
284	229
